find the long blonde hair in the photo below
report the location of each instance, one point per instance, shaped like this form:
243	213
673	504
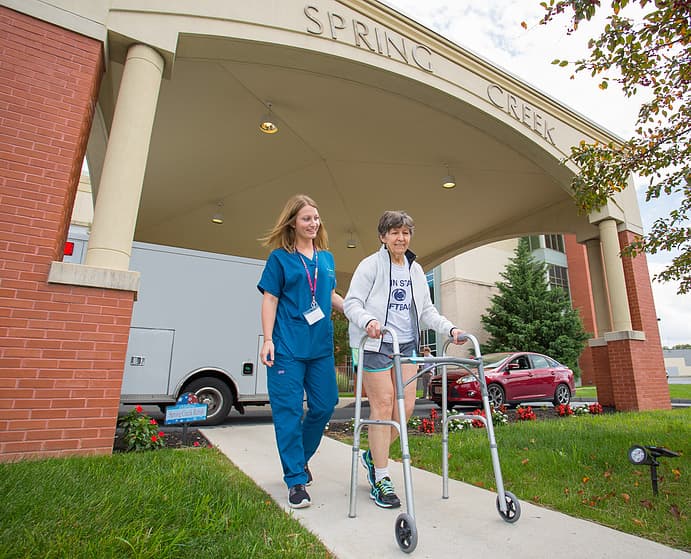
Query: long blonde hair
282	235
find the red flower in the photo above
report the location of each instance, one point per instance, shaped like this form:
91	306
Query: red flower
525	414
139	409
154	438
563	410
153	422
476	422
161	434
427	426
196	443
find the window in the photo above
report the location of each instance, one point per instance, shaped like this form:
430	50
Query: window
430	283
539	362
534	242
558	277
429	337
555	242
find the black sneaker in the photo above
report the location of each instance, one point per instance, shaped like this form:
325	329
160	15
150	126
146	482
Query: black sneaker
383	494
298	497
309	475
368	463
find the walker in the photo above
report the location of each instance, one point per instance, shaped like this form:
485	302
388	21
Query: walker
405	530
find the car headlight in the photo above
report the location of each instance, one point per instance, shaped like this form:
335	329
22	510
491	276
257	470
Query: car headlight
466	379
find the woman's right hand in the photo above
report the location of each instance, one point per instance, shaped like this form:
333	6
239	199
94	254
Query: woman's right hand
267	353
373	329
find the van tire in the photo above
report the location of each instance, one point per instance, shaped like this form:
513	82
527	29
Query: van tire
216	394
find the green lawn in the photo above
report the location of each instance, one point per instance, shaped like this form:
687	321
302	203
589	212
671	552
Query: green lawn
676	392
194	503
162	504
578	465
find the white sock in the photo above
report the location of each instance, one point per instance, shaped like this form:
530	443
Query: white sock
380	473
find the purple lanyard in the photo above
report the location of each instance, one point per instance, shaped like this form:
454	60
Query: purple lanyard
313	286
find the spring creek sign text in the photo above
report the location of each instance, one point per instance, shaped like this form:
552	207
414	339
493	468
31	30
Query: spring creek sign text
370	37
523	112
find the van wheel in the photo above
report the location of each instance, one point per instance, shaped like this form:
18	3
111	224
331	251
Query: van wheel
215	394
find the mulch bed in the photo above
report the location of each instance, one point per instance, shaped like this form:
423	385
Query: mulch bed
341	430
173	439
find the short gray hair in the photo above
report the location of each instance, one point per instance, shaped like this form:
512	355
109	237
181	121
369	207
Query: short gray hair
393	220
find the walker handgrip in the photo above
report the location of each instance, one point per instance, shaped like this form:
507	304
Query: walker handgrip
470	338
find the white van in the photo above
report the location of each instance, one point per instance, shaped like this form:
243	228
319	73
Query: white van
195	328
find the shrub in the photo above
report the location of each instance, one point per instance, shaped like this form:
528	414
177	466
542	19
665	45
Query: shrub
141	432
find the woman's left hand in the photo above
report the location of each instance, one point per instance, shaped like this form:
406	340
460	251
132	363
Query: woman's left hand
458	336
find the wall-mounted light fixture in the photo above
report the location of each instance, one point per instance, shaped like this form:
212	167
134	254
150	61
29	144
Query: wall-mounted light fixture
268	122
218	215
449	181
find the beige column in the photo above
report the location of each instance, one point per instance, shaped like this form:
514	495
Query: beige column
598	287
614	271
117	204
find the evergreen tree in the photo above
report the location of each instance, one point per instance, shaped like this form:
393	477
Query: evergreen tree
528	315
341	344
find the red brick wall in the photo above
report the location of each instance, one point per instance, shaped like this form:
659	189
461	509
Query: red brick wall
601	372
647	387
62	348
582	300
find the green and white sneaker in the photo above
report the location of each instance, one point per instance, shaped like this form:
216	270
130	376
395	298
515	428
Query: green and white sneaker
383	494
368	463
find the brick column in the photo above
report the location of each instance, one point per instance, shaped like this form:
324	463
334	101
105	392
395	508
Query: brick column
582	300
601	372
641	375
62	348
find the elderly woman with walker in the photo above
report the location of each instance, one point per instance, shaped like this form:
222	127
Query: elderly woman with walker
389	291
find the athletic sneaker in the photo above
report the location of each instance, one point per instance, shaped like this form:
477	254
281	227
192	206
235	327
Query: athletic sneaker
309	475
298	497
368	463
383	494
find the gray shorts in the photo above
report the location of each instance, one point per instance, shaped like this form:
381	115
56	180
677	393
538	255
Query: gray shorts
382	360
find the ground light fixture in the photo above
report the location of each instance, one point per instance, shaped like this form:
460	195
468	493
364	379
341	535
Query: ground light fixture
268	122
647	456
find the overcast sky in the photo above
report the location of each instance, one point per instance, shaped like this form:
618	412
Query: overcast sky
492	29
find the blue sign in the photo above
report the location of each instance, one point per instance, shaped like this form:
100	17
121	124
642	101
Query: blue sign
185	413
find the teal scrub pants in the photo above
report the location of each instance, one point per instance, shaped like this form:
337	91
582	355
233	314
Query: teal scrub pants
298	434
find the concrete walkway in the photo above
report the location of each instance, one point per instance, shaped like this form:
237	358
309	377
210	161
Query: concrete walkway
465	525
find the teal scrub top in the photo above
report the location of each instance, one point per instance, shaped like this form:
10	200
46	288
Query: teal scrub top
284	277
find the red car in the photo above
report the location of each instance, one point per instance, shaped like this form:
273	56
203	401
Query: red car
512	378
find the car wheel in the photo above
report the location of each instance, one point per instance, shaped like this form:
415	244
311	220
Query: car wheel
496	395
215	394
562	395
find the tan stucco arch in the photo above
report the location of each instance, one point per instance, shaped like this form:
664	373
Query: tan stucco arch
362	129
170	95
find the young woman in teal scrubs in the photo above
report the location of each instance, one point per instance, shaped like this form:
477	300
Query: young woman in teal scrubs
298	286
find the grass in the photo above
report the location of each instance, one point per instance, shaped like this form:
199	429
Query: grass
164	503
579	466
676	392
195	503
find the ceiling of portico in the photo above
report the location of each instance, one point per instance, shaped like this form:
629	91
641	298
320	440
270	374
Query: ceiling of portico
358	139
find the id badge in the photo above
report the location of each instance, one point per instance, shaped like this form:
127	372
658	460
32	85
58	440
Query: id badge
314	314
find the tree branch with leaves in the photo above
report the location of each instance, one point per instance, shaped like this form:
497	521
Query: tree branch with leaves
649	55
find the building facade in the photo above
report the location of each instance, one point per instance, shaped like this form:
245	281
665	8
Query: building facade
371	109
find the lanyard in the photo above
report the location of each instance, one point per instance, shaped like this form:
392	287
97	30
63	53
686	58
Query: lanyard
313	286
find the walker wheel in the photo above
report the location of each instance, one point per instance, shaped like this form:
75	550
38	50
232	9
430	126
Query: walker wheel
513	508
406	532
